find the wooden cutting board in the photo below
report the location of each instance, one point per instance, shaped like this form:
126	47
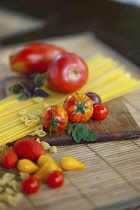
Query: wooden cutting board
119	125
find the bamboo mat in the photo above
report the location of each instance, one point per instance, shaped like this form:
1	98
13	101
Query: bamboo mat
111	179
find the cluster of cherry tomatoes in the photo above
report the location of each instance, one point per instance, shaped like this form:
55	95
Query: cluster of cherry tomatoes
30	184
77	108
66	72
100	111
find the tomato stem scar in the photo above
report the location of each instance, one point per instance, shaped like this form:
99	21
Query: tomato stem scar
73	73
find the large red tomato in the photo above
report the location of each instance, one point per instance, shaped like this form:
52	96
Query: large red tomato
33	58
67	73
79	107
56	117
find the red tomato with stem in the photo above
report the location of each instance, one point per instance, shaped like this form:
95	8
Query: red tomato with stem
100	111
9	159
67	73
28	148
30	185
55	179
79	107
33	58
55	118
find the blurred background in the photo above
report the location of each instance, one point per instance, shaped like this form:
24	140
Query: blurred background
116	23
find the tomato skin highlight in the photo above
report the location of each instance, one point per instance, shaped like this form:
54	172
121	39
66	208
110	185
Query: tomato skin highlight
9	159
30	185
28	148
33	58
100	111
70	106
67	73
60	114
55	179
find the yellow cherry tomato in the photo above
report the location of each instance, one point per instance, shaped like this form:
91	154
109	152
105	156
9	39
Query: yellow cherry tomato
45	159
27	166
70	163
46	169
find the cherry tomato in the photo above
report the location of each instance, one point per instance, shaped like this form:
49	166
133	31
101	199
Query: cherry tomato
55	179
79	107
9	159
94	97
57	117
67	73
33	58
28	148
30	184
100	112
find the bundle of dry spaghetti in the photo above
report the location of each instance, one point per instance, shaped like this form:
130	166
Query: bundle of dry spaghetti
107	78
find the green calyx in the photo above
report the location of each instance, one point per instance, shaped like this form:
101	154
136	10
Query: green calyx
81	106
54	123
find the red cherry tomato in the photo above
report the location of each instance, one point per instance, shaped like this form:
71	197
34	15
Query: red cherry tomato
67	73
33	58
28	148
9	159
100	111
55	179
55	114
30	185
79	107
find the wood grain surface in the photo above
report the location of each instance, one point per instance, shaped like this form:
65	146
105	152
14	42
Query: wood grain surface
111	178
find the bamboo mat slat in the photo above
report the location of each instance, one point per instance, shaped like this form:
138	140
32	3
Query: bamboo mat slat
111	178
